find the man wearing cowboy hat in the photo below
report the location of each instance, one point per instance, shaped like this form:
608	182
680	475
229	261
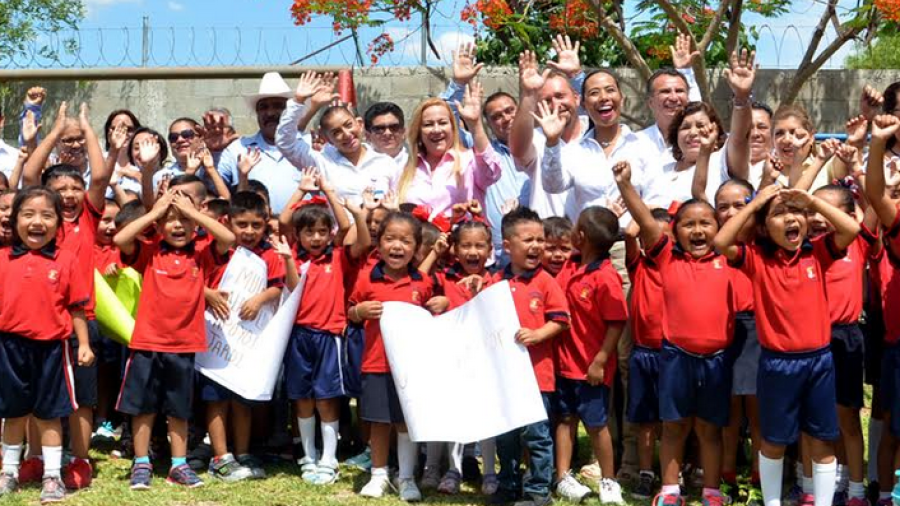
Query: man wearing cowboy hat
272	170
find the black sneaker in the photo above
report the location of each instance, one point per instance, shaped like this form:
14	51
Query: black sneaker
536	500
644	488
502	497
471	472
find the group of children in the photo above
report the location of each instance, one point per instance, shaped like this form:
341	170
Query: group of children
748	302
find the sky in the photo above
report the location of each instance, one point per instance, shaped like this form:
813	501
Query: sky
261	32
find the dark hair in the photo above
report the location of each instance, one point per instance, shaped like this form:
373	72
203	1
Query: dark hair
600	227
247	202
311	215
407	218
218	207
8	191
129	212
891	104
185	119
660	214
111	202
4	181
430	234
112	116
61	170
186	179
260	189
743	183
467	226
331	111
557	226
690	109
668	71
163	145
380	109
515	217
688	204
848	204
496	96
594	73
762	106
407	207
31	193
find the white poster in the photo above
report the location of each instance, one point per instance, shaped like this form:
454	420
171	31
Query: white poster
245	356
461	376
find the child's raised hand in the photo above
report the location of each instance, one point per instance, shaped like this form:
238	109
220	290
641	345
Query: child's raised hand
767	194
617	206
323	183
182	202
247	161
458	211
308	180
437	305
622	172
827	149
473	282
856	130
369	201
475	208
217	302
442	245
509	206
354	208
884	126
796	197
85	356
369	310
847	153
390	201
870	102
281	246
111	270
148	150
163	202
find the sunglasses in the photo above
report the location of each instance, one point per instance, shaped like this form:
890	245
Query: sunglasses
184	134
394	128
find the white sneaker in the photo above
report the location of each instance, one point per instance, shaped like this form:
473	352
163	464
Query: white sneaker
377	486
570	489
610	492
409	492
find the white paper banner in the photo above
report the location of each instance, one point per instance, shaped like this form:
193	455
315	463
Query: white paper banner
245	356
461	376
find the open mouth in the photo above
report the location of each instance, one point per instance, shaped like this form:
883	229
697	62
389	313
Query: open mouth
817	229
792	234
607	112
36	235
472	264
699	244
179	235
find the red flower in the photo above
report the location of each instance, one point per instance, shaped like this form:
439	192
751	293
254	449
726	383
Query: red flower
889	8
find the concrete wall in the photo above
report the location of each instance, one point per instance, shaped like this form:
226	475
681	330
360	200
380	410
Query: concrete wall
831	96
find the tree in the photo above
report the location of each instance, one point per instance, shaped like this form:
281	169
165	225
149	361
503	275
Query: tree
880	50
22	20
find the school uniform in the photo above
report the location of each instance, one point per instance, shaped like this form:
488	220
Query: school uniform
36	358
210	390
796	382
596	300
355	334
844	292
312	361
647	331
698	299
457	294
379	400
886	276
745	349
538	300
106	350
169	328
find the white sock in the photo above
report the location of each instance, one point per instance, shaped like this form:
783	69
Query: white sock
823	479
379	471
433	454
12	457
488	456
329	442
807	485
406	456
843	478
798	471
456	456
771	472
875	428
857	490
307	427
52	460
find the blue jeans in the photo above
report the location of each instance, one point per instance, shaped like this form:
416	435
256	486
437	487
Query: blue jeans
536	438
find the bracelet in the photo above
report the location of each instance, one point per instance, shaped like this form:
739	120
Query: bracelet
740	104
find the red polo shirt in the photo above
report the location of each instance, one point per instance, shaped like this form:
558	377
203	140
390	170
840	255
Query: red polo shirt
413	288
538	299
104	256
456	293
170	310
40	288
596	300
78	237
646	303
844	280
324	303
885	276
698	296
789	293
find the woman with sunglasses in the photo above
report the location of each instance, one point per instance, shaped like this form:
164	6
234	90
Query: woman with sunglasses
191	157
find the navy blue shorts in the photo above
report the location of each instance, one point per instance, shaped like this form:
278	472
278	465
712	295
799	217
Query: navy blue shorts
643	385
745	349
890	385
873	330
848	351
36	378
578	397
86	377
351	357
796	392
210	391
379	402
158	382
694	386
312	365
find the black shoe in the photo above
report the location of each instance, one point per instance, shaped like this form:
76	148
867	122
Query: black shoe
872	491
536	500
502	497
471	472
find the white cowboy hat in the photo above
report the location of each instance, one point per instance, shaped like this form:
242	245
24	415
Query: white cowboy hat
272	85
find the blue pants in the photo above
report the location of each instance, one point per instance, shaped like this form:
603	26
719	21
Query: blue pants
536	438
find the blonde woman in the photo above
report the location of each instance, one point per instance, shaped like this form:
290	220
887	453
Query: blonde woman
440	172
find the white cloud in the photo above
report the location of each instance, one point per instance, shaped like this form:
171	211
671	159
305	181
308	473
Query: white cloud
175	6
408	45
447	42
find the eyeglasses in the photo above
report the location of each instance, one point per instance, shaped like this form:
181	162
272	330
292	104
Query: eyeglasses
184	134
129	129
71	141
394	128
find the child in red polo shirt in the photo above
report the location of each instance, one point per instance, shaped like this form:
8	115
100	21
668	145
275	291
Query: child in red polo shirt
558	246
393	278
694	370
312	362
796	386
586	355
543	315
247	217
169	327
6	229
646	315
36	357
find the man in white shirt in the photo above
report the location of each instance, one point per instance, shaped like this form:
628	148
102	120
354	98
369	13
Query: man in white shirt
8	154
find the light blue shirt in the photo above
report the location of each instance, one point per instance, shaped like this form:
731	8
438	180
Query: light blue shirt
275	171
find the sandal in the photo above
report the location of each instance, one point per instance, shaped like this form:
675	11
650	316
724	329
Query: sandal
326	474
308	469
450	483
